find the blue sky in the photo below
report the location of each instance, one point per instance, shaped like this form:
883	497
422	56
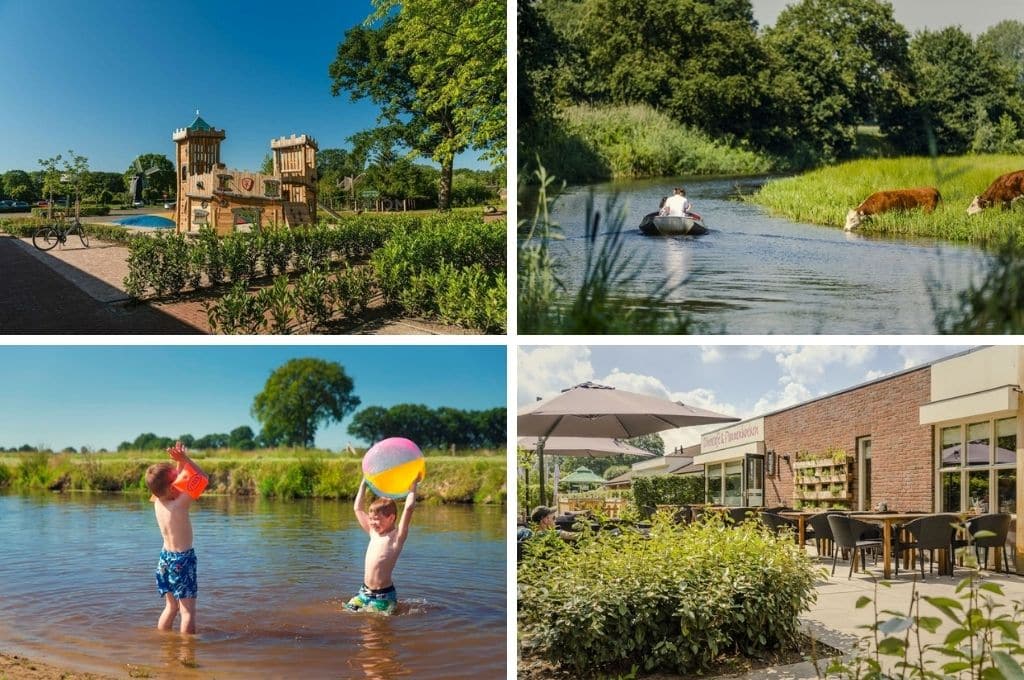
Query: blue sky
743	381
113	79
99	396
916	15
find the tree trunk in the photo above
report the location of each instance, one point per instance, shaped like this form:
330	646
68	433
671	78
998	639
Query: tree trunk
444	194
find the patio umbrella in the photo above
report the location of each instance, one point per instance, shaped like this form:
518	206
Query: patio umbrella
592	410
585	447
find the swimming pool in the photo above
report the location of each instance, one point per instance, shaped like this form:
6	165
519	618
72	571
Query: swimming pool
151	221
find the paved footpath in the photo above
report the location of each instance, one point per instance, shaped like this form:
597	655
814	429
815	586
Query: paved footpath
35	298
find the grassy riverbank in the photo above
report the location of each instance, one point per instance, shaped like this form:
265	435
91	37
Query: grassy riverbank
591	143
476	478
825	195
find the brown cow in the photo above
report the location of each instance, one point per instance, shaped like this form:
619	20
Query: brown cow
894	199
1005	190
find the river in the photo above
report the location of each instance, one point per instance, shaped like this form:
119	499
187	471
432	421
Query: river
76	577
757	274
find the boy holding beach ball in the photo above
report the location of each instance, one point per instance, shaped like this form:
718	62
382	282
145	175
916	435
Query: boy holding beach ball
389	467
174	487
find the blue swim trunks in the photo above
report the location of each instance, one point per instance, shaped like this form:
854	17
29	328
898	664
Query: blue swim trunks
384	600
176	574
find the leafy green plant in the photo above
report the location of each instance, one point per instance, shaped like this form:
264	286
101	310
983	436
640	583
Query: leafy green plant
313	299
649	492
672	601
279	300
237	312
351	289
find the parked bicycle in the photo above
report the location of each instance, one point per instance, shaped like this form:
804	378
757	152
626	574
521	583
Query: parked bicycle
47	236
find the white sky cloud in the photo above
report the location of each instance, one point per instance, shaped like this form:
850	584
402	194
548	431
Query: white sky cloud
545	371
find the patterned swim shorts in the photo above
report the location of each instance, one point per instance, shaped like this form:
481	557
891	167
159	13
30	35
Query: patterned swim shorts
384	600
176	574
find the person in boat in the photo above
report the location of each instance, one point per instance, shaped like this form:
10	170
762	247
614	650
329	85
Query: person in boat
676	205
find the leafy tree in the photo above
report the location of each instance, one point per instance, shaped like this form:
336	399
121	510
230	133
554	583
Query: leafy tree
1006	41
187	440
538	51
333	167
267	166
17	185
437	70
371	424
952	79
300	396
242	438
212	441
158	185
649	442
613	471
65	175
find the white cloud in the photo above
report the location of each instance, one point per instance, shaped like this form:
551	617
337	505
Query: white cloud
711	354
874	374
808	364
792	393
545	371
915	355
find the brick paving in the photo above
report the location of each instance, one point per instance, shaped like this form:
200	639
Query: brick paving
35	298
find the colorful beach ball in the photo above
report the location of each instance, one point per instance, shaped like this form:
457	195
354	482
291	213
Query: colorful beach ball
392	465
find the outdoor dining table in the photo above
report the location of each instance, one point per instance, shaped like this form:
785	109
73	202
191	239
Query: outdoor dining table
887	520
801	521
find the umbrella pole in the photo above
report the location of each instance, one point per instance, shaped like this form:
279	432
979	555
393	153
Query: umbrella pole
554	491
540	468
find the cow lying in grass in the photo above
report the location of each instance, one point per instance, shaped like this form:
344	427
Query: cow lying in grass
1004	191
925	198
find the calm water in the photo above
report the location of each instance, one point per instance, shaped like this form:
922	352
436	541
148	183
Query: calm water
759	274
76	577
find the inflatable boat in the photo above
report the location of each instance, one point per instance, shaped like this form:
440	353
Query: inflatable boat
689	225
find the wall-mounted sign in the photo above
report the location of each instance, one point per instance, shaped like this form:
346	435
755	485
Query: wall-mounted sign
735	435
247	183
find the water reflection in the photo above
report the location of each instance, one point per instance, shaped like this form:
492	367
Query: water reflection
760	274
375	656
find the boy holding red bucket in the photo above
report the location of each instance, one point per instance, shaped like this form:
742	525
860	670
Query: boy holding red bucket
174	488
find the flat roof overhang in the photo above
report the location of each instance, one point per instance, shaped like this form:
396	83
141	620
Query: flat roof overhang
992	402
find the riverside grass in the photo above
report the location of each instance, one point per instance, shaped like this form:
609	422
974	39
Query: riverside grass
473	478
589	143
825	195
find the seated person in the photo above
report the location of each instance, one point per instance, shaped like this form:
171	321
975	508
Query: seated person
544	519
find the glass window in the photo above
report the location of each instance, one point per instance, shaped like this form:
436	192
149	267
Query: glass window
734	483
714	484
979	436
755	481
951	446
1006	441
1006	482
977	490
950	492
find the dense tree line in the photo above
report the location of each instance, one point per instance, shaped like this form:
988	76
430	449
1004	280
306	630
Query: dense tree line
798	89
442	427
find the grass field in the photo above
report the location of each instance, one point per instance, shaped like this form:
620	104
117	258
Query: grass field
479	477
825	195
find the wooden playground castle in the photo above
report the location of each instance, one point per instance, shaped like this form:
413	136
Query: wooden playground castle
236	200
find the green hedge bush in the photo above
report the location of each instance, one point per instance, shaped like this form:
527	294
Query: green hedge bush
649	492
84	211
674	601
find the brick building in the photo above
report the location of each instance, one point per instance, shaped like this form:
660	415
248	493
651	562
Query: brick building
946	436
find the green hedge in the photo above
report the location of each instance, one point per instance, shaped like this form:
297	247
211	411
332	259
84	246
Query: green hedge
111	233
649	492
84	211
452	267
675	601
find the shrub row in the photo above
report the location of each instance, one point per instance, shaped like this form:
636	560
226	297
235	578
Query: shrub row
450	268
317	296
473	479
84	211
25	227
674	601
650	492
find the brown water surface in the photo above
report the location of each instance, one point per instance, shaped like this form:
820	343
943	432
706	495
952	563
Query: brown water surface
77	589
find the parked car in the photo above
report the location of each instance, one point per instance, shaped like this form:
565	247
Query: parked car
21	206
169	205
139	204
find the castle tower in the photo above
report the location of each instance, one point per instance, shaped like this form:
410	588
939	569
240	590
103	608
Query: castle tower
295	164
197	152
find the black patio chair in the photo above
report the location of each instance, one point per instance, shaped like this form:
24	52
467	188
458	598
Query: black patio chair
740	515
999	525
696	512
820	532
848	533
931	533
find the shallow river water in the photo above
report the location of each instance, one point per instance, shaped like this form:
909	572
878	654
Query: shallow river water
758	274
77	589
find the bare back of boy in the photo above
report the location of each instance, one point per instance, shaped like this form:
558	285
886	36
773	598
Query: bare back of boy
175	524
